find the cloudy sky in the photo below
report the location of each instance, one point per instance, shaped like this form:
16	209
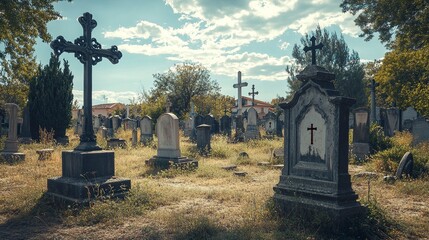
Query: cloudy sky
226	36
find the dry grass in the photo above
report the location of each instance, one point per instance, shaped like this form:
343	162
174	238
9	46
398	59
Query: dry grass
208	202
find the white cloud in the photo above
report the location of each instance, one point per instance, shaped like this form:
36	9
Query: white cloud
215	33
105	96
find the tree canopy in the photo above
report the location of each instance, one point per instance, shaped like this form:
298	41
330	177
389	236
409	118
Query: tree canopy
21	23
181	83
401	24
336	57
50	99
403	27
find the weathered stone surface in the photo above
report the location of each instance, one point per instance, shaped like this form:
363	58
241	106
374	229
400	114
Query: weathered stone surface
10	152
420	131
116	143
146	132
405	165
252	131
240	173
45	154
203	138
229	167
315	174
243	155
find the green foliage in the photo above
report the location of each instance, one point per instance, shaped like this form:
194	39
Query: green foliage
336	57
400	24
181	84
213	103
403	79
21	23
50	99
377	140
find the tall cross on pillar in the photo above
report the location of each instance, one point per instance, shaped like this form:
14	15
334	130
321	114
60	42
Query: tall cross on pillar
311	129
313	49
168	105
239	85
89	52
253	93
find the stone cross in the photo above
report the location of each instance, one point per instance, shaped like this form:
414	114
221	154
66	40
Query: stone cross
89	52
253	93
313	49
311	129
11	144
373	101
168	105
239	85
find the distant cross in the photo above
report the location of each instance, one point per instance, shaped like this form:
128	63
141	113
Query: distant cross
239	85
311	129
253	93
313	49
89	52
168	105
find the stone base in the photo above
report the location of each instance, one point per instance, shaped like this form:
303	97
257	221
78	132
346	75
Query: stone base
146	139
115	143
62	140
80	191
25	140
11	157
336	207
87	175
360	150
164	163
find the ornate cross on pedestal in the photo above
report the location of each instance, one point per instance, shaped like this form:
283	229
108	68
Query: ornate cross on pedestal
311	129
253	93
313	49
168	105
89	52
239	85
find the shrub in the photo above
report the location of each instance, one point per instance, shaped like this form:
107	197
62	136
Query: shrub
377	140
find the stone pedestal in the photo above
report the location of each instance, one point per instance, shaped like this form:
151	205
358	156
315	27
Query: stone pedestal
87	176
115	143
252	132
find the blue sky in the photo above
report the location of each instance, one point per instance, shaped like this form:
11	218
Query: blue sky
226	36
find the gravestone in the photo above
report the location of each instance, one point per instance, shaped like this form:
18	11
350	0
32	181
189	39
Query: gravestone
390	119
168	152
134	137
239	129
126	123
198	120
270	124
146	132
279	124
109	125
361	121
252	131
420	131
79	121
225	125
209	120
188	127
25	136
97	123
87	170
315	175
10	152
203	138
116	123
405	166
408	115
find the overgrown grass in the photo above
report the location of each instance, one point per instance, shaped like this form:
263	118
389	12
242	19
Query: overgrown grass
203	203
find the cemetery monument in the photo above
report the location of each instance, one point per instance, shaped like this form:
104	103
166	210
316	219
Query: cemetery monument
10	152
87	168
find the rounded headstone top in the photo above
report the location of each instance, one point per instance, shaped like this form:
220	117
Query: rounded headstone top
203	126
172	115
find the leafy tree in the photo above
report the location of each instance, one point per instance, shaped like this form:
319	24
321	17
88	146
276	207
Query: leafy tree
404	78
21	22
401	24
335	56
214	104
181	84
403	27
50	99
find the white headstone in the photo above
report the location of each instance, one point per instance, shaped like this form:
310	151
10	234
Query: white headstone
167	128
252	116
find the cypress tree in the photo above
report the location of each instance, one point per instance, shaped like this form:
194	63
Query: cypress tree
50	99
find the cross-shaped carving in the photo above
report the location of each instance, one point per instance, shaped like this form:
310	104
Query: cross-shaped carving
239	85
89	52
311	129
313	49
253	93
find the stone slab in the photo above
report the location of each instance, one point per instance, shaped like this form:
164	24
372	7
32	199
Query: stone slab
240	173
45	154
229	167
11	157
116	143
165	163
66	190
